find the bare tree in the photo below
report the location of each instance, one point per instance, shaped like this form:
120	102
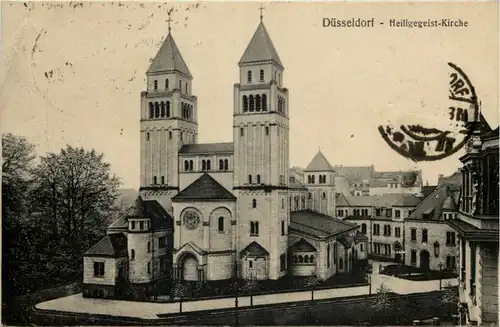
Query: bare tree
382	303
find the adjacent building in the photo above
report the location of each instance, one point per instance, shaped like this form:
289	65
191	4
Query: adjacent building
477	227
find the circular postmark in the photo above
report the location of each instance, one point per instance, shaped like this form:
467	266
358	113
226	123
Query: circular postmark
420	143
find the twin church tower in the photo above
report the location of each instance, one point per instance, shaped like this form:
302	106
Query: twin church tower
230	202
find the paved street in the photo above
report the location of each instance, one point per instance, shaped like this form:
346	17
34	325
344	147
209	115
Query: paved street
148	310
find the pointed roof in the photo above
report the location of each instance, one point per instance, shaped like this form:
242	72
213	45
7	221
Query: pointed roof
260	48
138	210
254	249
449	204
205	188
169	59
303	246
319	163
114	245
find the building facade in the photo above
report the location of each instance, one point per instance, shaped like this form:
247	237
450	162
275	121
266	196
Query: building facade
477	227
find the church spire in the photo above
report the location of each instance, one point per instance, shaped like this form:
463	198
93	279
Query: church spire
169	58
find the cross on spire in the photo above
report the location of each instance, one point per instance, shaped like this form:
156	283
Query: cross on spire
261	12
169	20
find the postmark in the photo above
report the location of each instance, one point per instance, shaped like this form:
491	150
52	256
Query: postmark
420	143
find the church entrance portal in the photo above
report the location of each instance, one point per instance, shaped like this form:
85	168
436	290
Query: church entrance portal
189	266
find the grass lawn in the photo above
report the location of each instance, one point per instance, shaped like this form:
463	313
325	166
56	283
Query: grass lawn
417	274
244	287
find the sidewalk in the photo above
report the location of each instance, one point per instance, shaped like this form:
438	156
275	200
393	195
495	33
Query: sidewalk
147	310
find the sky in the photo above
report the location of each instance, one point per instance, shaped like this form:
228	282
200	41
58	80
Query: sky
72	73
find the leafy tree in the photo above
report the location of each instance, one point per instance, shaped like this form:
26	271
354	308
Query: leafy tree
449	298
382	303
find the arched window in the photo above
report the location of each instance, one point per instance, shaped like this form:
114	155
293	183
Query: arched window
155	181
309	195
257	102
363	228
264	102
301	259
132	254
294	258
249	179
254	203
341	263
149	247
180	85
162	107
221	224
147	136
162	181
258	179
306	259
203	165
221	164
190	164
166	84
252	104
249	76
303	204
186	88
208	165
262	75
151	110
157	110
226	164
245	103
186	165
328	255
155	85
311	259
324	195
168	108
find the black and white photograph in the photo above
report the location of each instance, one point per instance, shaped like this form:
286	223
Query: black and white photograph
250	163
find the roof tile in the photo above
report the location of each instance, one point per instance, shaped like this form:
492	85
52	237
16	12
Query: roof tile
205	188
260	48
169	59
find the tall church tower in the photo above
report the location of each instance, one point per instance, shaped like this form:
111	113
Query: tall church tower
320	182
168	120
261	159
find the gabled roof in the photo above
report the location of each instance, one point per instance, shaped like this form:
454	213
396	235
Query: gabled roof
303	246
207	148
318	225
260	48
149	209
169	59
319	163
254	249
427	190
114	245
356	174
205	188
432	206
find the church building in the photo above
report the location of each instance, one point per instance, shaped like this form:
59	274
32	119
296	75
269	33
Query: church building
230	203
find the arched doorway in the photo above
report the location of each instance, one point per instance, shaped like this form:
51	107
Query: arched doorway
424	260
189	267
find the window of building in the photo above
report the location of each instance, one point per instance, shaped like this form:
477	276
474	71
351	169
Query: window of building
323	195
254	203
141	225
249	76
424	236
169	135
250	264
341	264
262	75
388	212
282	203
282	262
149	267
162	242
166	84
264	102
258	179
155	85
450	262
163	180
328	254
254	228
208	165
376	229
180	85
186	88
397	231
226	164
309	195
283	232
155	181
132	254
267	130
221	164
220	224
413	258
98	269
191	165
335	252
147	136
242	131
363	228
133	225
361	247
413	234
450	238
397	213
149	247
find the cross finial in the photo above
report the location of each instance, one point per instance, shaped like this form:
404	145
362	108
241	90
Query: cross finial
169	20
261	12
